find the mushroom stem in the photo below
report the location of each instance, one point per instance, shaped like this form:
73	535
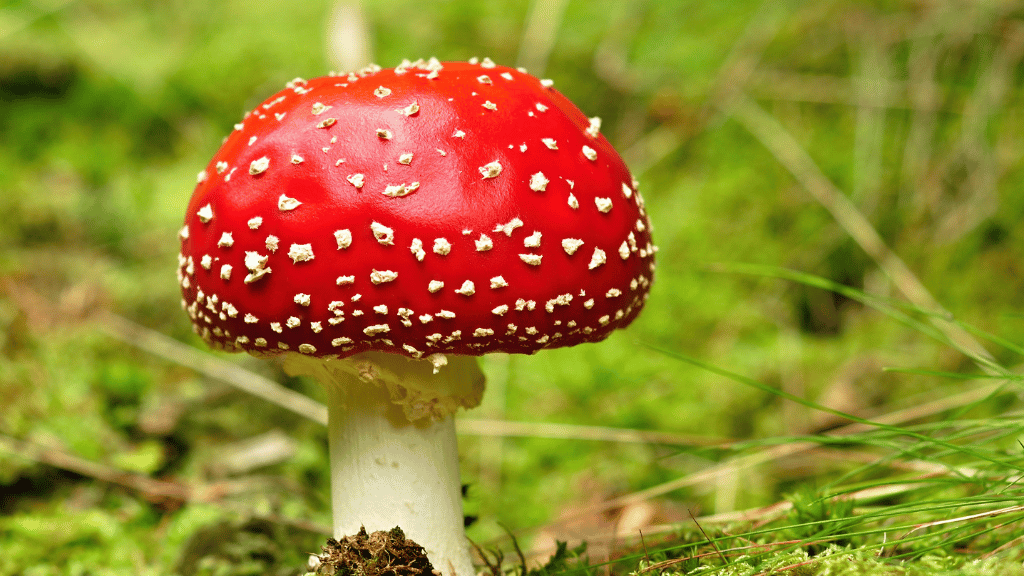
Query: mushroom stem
387	471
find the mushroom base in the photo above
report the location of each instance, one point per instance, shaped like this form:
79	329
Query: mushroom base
387	471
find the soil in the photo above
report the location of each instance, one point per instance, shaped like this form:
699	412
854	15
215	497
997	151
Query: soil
379	553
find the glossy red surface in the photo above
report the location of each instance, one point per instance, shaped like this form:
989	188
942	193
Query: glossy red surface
308	143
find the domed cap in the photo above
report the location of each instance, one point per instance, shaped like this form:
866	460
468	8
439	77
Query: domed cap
460	208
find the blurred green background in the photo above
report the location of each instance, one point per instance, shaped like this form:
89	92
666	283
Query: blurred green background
742	121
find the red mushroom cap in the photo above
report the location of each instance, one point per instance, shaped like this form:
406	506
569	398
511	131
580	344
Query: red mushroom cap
460	208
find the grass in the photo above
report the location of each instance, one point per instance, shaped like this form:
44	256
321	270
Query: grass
825	381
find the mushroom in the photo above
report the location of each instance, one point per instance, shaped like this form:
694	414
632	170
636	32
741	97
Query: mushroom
381	229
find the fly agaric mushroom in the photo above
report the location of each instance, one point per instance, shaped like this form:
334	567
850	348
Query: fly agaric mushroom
380	230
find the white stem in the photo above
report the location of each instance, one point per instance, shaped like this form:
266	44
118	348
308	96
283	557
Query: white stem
387	472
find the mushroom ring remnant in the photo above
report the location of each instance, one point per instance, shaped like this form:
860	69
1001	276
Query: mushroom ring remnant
430	212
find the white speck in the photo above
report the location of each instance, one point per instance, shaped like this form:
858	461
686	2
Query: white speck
626	190
417	249
561	300
589	304
202	177
302	299
259	166
441	152
319	108
595	127
442	246
285	203
458	134
500	310
381	309
383	133
255	260
405	158
183	233
624	250
307	348
491	169
400	190
571	245
225	272
381	92
597	259
489	105
604	205
252	140
255	222
487	63
506	76
533	240
532	331
551	143
276	327
279	115
467	288
570	183
410	109
509	227
437	361
343	237
296	159
316	327
335	307
484	243
341	341
498	282
613	293
483	332
272	242
205	214
547	83
445	314
538	182
221	167
573	202
382	233
484	79
434	286
531	259
228	177
226	240
382	276
425	318
522	147
300	253
376	329
250	319
540	107
356	180
345	280
255	274
590	153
